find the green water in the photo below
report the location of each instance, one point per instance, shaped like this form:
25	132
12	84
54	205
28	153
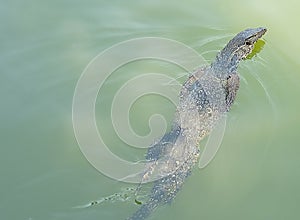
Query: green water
45	46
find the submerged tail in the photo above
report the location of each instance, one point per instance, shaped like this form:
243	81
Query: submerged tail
157	193
166	188
144	211
163	192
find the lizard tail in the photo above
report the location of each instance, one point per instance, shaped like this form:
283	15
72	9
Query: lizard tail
144	211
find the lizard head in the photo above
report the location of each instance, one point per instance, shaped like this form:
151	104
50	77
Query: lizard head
243	43
238	48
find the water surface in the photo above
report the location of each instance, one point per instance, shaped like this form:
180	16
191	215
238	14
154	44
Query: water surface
46	45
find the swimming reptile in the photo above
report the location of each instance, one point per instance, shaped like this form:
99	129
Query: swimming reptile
204	98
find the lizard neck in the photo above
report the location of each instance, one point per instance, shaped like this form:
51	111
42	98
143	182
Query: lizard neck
226	61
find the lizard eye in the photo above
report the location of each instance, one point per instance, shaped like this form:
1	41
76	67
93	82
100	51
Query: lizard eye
248	43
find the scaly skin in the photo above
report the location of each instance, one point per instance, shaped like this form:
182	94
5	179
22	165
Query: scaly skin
207	95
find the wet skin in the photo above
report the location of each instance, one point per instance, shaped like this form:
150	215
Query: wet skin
205	97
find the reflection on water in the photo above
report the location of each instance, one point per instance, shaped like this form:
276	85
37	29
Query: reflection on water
46	46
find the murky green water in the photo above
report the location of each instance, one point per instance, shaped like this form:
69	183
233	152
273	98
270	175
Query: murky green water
46	45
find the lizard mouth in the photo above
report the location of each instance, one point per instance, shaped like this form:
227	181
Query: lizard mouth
260	32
